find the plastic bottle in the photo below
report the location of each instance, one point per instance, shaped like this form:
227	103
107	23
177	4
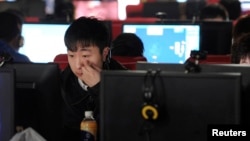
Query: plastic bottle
88	127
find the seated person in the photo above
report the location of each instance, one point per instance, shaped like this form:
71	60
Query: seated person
87	41
233	7
213	12
241	27
127	44
242	49
10	37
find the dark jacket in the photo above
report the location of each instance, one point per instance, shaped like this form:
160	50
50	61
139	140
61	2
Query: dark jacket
77	100
15	56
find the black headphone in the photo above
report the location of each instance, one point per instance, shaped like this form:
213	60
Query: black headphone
107	61
150	108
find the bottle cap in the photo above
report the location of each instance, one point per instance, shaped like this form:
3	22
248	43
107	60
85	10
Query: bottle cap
88	113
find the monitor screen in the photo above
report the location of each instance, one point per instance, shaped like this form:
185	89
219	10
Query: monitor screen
245	5
165	43
6	104
186	104
215	37
42	42
38	98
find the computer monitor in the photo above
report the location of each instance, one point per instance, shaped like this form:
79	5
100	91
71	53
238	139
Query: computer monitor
42	42
38	98
187	104
245	71
208	68
7	86
170	8
216	37
167	43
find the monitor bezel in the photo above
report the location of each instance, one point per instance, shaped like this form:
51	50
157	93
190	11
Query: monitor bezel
7	128
38	101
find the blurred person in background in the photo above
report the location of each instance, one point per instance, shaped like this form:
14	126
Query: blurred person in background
241	27
127	44
214	12
11	39
233	7
242	49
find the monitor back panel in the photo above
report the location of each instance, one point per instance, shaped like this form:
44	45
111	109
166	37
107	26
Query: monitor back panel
187	104
216	37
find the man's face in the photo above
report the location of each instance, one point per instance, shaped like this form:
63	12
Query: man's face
17	42
85	56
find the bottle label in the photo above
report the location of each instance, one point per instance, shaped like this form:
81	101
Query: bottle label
87	136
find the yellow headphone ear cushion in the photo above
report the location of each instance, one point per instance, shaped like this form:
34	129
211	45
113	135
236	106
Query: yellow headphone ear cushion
149	108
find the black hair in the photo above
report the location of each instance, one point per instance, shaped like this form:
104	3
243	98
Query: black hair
213	11
127	44
241	48
87	31
233	8
241	26
9	25
64	11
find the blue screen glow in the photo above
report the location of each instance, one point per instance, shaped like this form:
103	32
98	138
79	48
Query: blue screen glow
166	43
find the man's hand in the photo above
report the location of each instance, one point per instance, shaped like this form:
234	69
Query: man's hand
91	74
